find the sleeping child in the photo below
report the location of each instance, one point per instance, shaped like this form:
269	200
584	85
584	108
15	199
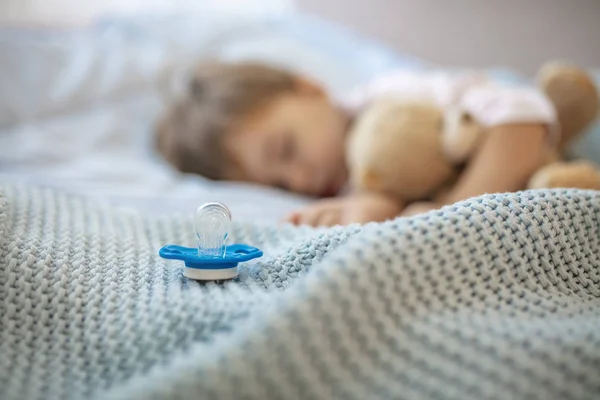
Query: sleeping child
258	123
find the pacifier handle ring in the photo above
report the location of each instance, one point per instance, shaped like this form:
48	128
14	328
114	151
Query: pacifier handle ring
211	224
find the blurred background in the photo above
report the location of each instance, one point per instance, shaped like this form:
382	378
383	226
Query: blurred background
513	33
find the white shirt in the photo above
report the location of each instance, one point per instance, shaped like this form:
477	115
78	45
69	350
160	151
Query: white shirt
489	102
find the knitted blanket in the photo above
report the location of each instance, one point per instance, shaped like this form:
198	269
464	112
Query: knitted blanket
494	298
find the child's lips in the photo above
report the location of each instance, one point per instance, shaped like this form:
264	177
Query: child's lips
329	192
331	189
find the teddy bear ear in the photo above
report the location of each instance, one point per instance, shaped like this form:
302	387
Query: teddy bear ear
460	135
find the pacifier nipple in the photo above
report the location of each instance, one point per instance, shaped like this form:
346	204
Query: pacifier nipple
212	223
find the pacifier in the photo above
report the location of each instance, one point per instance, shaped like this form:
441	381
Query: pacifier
213	259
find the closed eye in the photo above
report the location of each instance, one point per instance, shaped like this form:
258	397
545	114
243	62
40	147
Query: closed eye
282	186
289	148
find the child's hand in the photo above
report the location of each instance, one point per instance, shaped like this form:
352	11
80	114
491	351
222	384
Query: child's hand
419	207
360	208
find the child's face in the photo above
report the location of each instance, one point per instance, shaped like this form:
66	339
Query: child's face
297	144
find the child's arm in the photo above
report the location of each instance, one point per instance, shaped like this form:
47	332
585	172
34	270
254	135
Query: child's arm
508	157
354	208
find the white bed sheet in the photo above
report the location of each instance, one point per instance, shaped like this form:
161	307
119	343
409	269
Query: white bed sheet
106	152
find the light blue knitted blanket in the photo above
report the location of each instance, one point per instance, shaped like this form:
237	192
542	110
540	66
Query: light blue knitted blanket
495	298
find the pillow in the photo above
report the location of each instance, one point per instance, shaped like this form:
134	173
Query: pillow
76	13
55	72
46	72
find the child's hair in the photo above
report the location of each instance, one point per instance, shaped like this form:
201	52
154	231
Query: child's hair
219	96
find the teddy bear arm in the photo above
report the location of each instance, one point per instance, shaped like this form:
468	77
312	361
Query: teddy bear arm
580	175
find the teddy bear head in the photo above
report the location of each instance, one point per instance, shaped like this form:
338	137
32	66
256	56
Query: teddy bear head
408	149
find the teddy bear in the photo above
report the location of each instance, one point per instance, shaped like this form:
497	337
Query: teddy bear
414	151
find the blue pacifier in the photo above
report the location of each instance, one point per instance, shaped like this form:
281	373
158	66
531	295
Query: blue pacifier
213	259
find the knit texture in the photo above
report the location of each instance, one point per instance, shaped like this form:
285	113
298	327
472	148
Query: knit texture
494	298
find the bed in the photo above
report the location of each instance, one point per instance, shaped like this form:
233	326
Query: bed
496	297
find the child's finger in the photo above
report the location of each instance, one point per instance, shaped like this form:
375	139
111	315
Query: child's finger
293	218
329	217
311	216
